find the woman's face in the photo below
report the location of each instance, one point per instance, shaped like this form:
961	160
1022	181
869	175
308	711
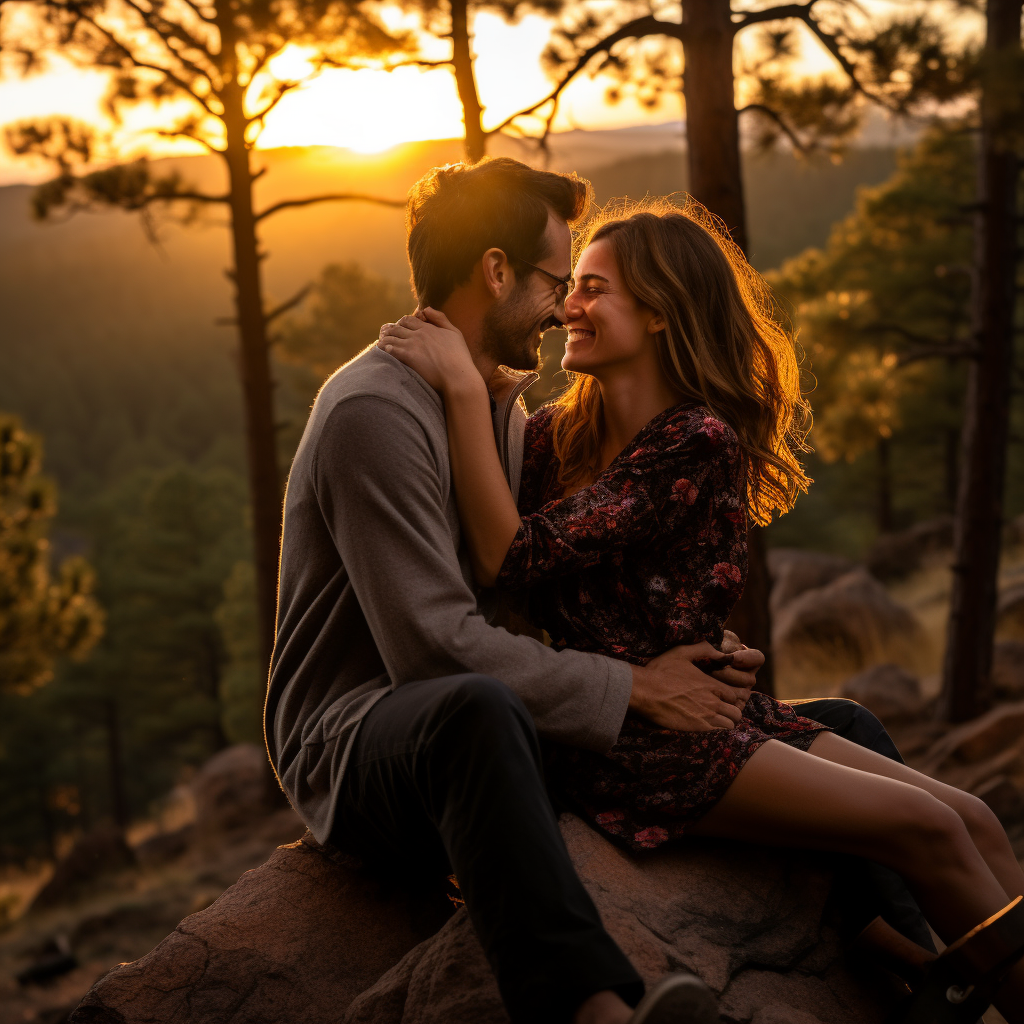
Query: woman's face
607	326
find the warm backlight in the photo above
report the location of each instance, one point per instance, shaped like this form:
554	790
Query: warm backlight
367	111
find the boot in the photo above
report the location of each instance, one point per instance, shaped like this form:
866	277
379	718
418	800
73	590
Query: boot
959	984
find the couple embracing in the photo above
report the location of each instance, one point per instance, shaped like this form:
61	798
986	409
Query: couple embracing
409	728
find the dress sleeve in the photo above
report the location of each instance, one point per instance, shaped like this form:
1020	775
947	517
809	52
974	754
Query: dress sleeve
654	490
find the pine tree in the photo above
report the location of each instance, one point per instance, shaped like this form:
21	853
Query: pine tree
43	615
208	68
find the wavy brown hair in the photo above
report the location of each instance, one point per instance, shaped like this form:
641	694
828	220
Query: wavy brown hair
722	347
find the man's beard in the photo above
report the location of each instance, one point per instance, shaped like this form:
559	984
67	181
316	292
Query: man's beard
512	330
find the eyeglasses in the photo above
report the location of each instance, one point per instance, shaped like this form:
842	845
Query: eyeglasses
563	285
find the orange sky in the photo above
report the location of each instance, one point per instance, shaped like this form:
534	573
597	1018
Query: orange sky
369	111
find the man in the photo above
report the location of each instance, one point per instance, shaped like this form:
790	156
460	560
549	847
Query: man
403	726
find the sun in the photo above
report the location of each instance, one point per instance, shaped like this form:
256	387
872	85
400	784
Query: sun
367	111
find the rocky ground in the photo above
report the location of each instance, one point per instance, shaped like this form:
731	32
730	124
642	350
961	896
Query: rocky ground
869	635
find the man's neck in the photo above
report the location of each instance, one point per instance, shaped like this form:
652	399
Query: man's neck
467	318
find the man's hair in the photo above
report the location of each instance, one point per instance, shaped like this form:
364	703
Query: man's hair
456	213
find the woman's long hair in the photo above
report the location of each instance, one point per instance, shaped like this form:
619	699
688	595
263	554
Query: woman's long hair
721	348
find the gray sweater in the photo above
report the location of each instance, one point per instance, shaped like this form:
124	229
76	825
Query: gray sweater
375	590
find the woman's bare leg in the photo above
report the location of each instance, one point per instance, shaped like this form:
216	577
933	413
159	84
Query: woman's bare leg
786	797
984	827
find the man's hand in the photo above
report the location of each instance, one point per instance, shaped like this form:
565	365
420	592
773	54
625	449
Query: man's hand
673	693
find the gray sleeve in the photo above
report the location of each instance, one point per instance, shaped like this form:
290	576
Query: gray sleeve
381	493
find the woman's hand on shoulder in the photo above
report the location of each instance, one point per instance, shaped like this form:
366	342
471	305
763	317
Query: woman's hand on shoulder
430	344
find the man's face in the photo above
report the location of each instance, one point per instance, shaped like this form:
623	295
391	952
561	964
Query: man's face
513	326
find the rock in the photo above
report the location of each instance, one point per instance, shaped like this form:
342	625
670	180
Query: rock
295	940
1004	798
52	961
165	846
980	738
896	555
309	940
231	788
794	571
1010	613
829	632
889	692
92	855
1008	670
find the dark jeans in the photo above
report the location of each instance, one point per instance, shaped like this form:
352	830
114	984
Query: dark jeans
445	775
863	888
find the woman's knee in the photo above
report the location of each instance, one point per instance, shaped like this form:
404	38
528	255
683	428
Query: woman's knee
929	831
979	819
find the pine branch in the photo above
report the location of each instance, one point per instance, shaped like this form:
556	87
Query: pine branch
831	43
780	13
783	125
180	133
330	197
277	311
198	12
283	89
646	26
143	65
166	30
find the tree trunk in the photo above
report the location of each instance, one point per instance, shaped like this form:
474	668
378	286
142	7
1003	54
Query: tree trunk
254	368
465	81
979	507
712	125
713	155
115	765
884	485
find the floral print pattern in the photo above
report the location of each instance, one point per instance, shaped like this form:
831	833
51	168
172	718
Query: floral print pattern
652	555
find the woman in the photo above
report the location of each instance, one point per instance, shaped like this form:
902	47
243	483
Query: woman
630	538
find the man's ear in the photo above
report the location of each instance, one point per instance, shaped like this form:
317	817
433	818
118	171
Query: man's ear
498	276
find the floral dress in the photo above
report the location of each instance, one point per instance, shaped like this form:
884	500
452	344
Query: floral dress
652	555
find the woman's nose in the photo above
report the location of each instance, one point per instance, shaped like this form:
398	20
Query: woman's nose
573	310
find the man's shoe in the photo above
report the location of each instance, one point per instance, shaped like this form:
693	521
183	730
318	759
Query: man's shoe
677	999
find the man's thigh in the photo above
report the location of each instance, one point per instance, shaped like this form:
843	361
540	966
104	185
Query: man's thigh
850	720
405	752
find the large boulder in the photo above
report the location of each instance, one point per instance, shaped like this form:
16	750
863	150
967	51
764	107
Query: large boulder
896	555
231	789
94	854
794	571
1010	613
308	939
830	632
1008	670
889	692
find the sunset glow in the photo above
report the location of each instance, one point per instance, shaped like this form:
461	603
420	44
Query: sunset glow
368	111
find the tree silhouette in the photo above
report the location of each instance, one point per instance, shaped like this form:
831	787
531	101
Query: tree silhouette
41	618
883	313
966	690
208	68
450	19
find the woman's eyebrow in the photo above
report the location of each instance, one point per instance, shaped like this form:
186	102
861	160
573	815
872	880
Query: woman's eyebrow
596	277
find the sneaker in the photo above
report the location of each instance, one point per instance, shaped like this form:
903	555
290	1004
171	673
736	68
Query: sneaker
677	999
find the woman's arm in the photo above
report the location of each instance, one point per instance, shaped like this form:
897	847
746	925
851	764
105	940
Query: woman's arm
436	350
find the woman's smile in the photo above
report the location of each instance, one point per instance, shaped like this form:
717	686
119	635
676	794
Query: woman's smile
578	335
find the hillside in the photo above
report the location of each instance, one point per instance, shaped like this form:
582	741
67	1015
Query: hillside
110	347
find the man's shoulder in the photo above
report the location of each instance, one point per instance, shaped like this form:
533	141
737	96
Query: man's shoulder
375	378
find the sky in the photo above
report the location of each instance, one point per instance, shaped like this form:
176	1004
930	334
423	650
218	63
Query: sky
368	110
